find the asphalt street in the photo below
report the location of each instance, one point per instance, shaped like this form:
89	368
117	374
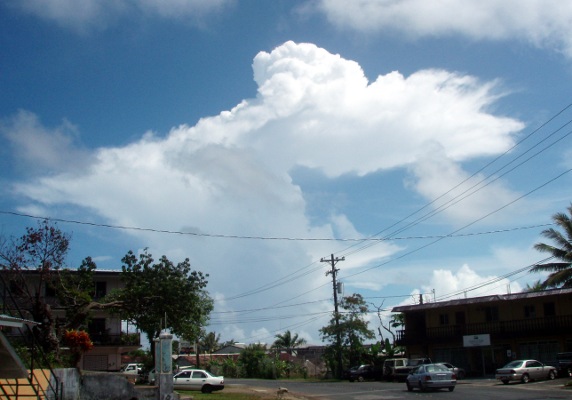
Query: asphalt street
466	390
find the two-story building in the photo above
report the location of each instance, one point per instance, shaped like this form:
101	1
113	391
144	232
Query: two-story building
483	333
107	331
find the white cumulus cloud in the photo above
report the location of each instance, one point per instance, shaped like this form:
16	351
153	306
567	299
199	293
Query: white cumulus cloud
230	174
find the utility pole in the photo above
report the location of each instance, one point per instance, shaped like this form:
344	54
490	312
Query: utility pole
333	261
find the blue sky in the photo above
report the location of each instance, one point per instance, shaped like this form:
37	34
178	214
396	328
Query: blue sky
257	137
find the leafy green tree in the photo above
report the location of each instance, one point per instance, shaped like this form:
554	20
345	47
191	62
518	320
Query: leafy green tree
154	290
252	360
288	342
353	330
559	272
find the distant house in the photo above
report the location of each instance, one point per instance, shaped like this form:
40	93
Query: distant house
104	328
483	333
231	349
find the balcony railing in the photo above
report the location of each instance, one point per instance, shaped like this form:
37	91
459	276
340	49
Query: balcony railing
123	339
498	329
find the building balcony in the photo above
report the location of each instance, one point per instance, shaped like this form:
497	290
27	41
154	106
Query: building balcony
122	339
498	330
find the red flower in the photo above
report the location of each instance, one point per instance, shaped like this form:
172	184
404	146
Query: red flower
78	341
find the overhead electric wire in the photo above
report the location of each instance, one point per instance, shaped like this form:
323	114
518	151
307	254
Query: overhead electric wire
458	197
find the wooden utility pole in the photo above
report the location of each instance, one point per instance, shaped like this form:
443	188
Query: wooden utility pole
333	261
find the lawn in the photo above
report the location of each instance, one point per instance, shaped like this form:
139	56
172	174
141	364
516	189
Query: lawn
229	396
235	393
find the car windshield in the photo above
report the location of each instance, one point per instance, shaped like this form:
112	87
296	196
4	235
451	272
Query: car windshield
514	364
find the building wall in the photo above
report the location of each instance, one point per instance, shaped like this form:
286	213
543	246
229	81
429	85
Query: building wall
520	326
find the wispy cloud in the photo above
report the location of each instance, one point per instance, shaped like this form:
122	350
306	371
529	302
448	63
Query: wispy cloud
541	23
87	15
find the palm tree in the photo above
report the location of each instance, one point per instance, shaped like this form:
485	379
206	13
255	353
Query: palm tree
560	272
537	286
288	342
210	342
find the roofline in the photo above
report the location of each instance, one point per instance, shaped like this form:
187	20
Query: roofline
96	271
480	300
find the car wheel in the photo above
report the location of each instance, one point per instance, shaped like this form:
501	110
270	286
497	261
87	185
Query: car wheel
525	378
460	375
551	375
451	388
409	387
207	389
351	379
421	387
505	381
360	378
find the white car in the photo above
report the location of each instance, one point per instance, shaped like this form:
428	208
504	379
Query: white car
132	369
431	377
524	371
198	379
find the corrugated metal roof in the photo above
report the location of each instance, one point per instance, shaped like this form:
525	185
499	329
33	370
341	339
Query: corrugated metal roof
484	299
7	320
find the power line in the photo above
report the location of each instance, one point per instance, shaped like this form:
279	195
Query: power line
223	236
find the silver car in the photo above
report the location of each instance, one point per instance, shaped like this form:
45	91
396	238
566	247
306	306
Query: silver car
524	371
431	376
198	379
460	372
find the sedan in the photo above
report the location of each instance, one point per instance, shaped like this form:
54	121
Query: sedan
431	376
198	379
524	371
460	372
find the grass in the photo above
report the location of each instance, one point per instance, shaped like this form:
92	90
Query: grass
226	396
229	395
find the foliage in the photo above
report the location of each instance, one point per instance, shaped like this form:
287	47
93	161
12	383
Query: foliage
229	368
78	342
288	342
352	328
560	273
537	286
252	360
154	290
43	250
209	342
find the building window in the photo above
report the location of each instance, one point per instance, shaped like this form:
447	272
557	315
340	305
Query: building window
444	319
549	310
491	314
100	290
529	311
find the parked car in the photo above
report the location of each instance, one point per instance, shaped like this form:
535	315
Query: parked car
431	376
524	371
401	373
363	372
390	365
132	369
460	372
198	379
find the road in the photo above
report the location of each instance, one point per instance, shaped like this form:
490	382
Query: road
468	389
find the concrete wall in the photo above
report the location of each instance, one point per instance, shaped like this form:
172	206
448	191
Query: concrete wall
114	387
97	386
